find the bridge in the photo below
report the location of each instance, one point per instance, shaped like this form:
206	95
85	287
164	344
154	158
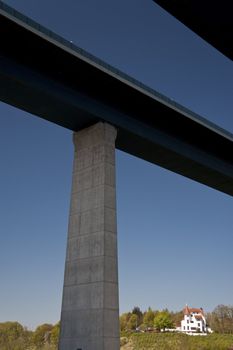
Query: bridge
211	20
106	109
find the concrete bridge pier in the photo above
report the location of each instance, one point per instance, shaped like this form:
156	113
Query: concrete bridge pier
90	306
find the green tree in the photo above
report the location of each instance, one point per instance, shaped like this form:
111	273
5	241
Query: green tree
163	320
137	311
148	318
42	335
133	322
54	335
124	318
13	336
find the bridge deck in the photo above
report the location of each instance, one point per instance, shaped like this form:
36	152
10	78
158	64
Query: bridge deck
212	20
50	77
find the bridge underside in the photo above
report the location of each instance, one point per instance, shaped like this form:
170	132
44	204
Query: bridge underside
47	76
211	20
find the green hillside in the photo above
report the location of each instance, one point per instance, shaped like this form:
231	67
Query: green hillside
169	341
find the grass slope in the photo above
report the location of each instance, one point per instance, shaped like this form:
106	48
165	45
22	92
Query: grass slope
168	341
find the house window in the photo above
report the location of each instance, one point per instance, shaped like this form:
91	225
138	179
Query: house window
184	328
188	328
199	324
187	321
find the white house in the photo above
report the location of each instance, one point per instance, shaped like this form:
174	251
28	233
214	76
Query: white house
194	321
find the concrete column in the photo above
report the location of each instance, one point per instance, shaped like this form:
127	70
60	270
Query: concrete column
90	307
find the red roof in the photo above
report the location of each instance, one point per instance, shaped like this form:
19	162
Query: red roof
188	310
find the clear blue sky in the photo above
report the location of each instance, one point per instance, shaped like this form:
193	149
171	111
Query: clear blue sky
175	235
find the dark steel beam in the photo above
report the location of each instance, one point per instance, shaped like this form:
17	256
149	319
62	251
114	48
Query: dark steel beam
211	20
49	77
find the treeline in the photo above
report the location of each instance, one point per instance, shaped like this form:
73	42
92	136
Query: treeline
220	320
13	336
150	319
